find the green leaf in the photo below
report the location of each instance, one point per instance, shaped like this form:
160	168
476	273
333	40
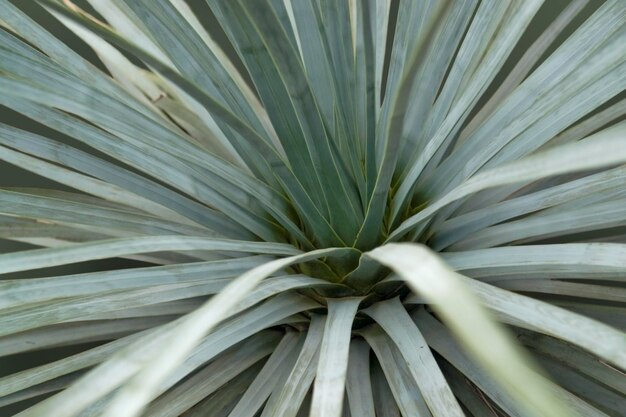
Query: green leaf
308	25
209	379
524	65
384	402
570	289
26	317
68	61
172	308
191	118
399	83
358	383
128	361
560	221
271	377
219	403
89	185
601	397
36	290
49	371
68	212
368	89
327	66
405	391
468	394
380	25
296	103
394	319
42	389
444	41
584	362
302	201
454	300
571	82
452	230
286	401
195	61
272	90
241	210
602	149
492	35
332	368
566	260
43	258
67	334
142	387
604	341
441	341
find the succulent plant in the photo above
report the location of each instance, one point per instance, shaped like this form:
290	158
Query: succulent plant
343	208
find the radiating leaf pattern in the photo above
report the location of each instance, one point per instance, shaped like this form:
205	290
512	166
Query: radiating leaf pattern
330	208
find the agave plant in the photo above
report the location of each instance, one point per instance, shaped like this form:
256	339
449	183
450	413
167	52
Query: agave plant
345	208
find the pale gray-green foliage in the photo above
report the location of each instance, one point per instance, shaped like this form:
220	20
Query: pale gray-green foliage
287	200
